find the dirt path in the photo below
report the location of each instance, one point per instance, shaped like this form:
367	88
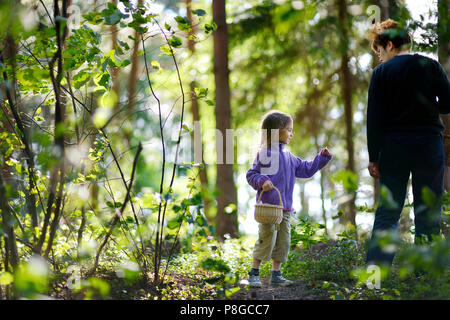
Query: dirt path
299	290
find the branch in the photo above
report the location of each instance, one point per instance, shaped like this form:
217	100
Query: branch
118	214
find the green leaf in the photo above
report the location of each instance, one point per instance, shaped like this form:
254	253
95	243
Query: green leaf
184	24
104	80
185	127
201	221
175	223
175	42
232	291
166	50
81	78
201	92
210	27
339	214
155	64
215	265
93	17
199	12
125	63
112	14
123	44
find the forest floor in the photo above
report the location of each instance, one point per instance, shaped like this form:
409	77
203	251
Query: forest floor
321	272
299	290
193	289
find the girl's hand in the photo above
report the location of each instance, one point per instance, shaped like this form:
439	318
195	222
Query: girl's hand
267	185
325	152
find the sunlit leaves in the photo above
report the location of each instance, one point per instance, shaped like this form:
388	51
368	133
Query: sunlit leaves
201	92
6	278
348	179
184	24
31	278
112	14
81	78
167	50
210	27
93	17
175	42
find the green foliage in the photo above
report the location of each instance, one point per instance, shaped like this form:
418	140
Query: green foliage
306	233
226	263
31	279
272	46
332	262
348	179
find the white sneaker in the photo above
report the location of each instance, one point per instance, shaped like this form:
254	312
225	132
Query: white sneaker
253	280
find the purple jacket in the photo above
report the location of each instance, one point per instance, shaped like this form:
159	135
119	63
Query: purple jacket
281	167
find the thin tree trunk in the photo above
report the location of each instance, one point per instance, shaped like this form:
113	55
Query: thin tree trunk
133	77
350	214
57	173
9	51
225	223
115	71
304	199
118	215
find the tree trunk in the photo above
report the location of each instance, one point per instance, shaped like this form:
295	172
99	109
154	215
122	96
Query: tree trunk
7	220
9	51
115	71
7	225
350	213
133	77
226	223
304	199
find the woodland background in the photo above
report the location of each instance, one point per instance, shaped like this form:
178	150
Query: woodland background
101	195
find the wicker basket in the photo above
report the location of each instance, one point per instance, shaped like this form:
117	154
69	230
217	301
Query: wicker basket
269	213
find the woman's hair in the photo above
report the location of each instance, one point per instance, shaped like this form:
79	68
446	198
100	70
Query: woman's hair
389	30
273	120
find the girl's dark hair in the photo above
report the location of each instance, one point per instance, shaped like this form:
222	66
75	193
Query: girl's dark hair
389	30
273	120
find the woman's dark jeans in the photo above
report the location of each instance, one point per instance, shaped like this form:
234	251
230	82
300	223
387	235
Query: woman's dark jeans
402	154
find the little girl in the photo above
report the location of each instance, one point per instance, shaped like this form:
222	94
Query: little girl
276	166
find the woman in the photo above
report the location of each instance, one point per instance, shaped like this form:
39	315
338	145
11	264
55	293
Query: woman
407	93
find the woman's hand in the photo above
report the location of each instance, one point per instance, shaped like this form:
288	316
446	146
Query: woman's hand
325	152
373	169
267	185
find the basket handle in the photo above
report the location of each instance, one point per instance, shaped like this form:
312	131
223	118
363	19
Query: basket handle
279	194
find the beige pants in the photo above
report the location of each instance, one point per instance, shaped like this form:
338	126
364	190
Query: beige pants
273	244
